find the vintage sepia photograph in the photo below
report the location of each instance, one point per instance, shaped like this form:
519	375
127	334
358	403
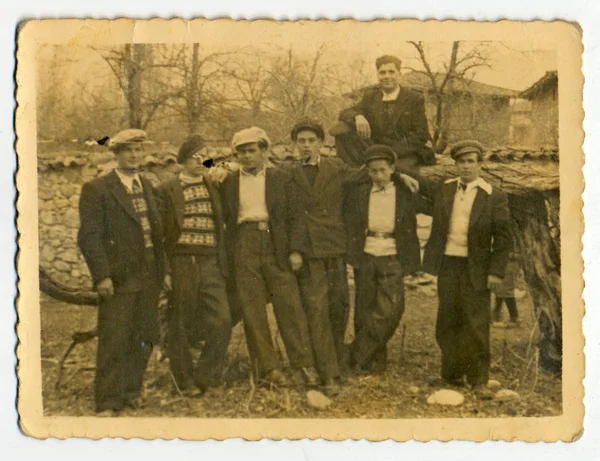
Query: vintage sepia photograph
260	221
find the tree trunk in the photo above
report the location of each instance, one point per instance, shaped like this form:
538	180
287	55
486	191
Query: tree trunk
193	106
135	55
537	239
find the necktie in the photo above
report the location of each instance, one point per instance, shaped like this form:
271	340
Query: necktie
462	186
135	187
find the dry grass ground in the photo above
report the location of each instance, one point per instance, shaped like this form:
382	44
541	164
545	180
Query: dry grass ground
400	393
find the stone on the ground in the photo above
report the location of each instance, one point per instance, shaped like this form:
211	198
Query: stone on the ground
413	389
318	400
506	395
446	397
494	384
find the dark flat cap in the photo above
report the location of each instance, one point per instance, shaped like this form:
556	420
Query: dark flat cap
308	125
189	147
380	152
467	146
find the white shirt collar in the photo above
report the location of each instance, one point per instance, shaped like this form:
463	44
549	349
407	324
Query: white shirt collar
190	179
479	182
388	187
262	172
312	162
128	180
391	96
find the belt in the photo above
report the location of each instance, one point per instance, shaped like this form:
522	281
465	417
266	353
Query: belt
259	225
380	235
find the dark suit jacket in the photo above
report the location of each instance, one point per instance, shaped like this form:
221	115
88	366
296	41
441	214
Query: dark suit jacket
173	207
489	239
320	231
281	221
409	120
356	214
111	236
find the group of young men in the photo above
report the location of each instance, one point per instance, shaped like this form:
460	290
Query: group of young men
283	236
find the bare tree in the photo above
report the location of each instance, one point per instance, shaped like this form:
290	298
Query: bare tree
252	80
195	84
458	67
300	86
142	73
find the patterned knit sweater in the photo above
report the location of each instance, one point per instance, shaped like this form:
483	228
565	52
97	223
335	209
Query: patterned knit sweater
198	234
141	209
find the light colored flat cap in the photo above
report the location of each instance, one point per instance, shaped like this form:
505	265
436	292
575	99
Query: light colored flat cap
130	136
250	135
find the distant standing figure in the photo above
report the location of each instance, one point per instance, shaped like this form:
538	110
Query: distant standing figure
505	293
121	239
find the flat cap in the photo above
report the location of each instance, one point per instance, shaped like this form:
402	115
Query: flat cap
130	136
308	125
380	152
250	135
466	147
190	146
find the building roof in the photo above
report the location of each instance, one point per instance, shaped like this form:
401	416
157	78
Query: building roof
421	82
516	170
548	80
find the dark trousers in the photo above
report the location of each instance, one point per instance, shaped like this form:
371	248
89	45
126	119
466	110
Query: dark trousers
511	305
463	324
199	312
379	308
260	280
127	330
324	290
350	147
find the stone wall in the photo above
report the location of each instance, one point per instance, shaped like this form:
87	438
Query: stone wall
60	178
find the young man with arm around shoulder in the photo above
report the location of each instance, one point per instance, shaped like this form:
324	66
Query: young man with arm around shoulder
383	248
195	246
258	227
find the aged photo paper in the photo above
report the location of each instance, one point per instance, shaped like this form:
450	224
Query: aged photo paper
300	229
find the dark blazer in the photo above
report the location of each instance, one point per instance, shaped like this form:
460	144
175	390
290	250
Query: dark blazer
356	214
281	221
410	123
320	231
111	236
489	239
173	207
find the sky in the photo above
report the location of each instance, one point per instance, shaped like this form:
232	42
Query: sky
514	65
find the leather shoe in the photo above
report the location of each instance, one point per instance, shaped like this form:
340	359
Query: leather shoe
108	413
275	378
310	376
331	388
482	392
